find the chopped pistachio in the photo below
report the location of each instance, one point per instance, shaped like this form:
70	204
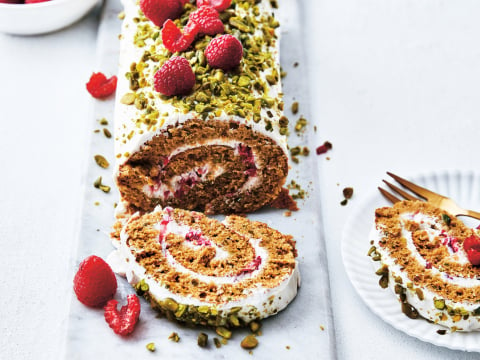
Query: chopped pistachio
107	133
202	340
294	107
174	337
101	161
151	347
249	342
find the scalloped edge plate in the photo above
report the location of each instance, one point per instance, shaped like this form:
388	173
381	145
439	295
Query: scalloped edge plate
464	187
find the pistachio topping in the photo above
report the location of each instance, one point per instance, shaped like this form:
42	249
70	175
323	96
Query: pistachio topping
250	91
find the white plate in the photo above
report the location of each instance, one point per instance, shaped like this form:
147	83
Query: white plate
465	189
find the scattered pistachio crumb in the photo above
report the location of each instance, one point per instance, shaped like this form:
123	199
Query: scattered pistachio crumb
295	107
202	340
96	130
103	121
249	342
300	124
300	192
96	203
287	347
344	202
217	342
322	327
174	337
101	161
121	15
98	184
151	347
107	133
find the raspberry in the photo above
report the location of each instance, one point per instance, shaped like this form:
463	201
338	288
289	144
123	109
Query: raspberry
95	283
219	5
34	1
208	21
100	87
174	40
175	77
158	11
472	246
123	322
224	52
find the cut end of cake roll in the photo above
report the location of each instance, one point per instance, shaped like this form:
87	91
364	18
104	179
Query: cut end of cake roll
220	148
420	252
200	271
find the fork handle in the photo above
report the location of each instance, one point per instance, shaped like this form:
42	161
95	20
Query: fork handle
471	213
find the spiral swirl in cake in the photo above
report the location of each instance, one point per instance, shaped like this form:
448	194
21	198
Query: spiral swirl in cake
419	252
199	271
219	149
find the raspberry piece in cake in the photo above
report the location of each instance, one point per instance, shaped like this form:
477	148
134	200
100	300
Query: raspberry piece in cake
123	322
200	271
175	77
219	5
158	11
207	20
100	87
95	283
224	52
472	246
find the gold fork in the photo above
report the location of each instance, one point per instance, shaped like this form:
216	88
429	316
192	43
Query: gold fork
435	199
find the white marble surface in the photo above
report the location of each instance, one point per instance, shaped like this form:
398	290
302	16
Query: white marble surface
394	85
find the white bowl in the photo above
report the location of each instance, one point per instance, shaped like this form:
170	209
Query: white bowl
39	18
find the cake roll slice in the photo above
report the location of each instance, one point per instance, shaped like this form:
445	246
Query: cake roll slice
201	271
429	259
221	148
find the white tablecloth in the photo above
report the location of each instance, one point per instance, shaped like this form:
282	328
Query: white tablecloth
394	85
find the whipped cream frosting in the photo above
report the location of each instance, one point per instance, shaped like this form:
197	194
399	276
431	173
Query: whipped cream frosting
426	306
256	302
130	134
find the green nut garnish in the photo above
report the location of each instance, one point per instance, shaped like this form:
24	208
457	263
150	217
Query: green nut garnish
223	332
439	304
249	342
202	340
101	161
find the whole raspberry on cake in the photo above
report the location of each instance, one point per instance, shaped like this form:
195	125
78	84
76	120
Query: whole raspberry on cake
213	141
202	272
428	258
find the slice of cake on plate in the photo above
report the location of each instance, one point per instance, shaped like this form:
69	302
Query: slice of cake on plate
430	260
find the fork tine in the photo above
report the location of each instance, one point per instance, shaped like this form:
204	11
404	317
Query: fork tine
420	191
400	191
390	197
